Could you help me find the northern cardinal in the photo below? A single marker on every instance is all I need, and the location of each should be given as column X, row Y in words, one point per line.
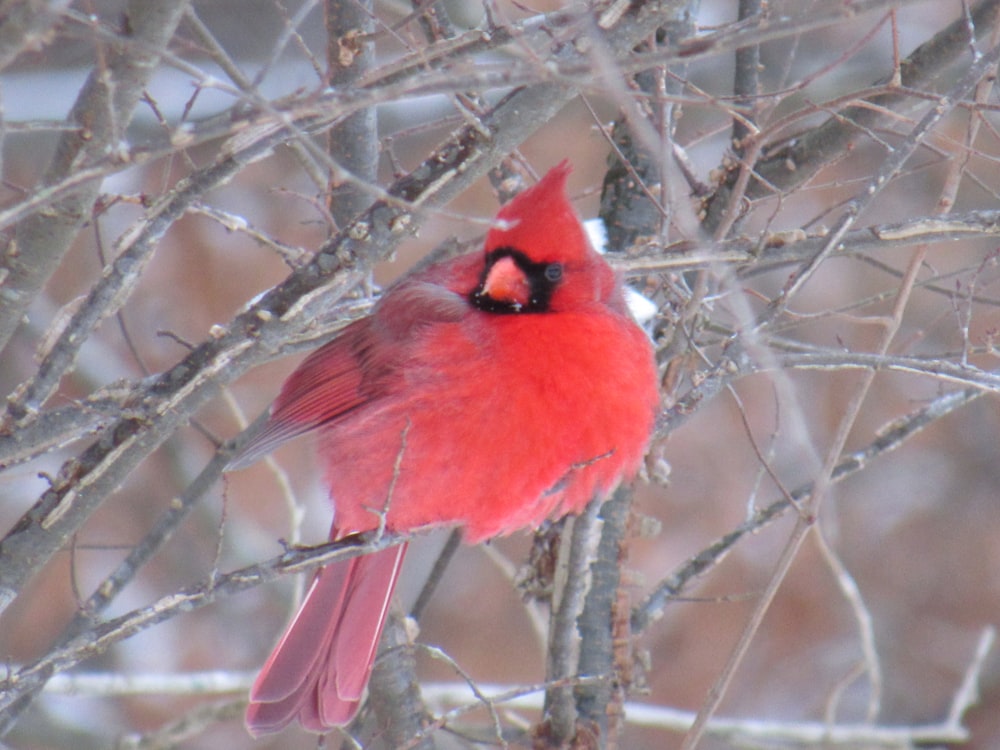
column 492, row 391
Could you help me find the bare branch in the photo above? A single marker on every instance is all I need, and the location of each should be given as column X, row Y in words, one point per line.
column 101, row 112
column 888, row 440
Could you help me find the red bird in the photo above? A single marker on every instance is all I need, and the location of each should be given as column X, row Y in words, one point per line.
column 492, row 391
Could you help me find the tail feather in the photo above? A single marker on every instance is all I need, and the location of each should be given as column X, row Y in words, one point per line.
column 318, row 671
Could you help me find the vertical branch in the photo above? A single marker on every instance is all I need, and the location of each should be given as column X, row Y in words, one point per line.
column 746, row 79
column 395, row 692
column 353, row 142
column 601, row 624
column 633, row 205
column 631, row 195
column 572, row 582
column 723, row 207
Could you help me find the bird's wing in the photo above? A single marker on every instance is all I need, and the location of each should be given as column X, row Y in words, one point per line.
column 361, row 365
column 327, row 385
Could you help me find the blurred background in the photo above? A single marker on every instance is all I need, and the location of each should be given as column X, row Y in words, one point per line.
column 879, row 618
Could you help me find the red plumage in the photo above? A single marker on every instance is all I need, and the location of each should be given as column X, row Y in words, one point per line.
column 492, row 391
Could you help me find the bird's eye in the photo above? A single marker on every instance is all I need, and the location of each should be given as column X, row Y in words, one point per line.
column 554, row 272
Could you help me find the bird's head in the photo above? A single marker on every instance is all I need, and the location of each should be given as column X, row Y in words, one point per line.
column 537, row 255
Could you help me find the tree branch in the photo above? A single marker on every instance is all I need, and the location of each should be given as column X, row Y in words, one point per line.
column 101, row 113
